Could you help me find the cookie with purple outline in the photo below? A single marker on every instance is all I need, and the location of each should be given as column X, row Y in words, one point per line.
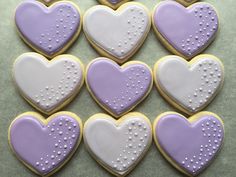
column 190, row 145
column 45, row 145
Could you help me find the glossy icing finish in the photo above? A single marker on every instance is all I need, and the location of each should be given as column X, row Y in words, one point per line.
column 118, row 145
column 120, row 32
column 118, row 89
column 195, row 27
column 190, row 85
column 49, row 30
column 193, row 145
column 48, row 85
column 44, row 148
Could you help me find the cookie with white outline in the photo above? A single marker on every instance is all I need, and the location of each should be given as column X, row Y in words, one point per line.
column 48, row 85
column 189, row 86
column 118, row 145
column 117, row 34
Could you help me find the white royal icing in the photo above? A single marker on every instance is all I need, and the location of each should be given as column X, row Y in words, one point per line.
column 118, row 33
column 47, row 84
column 191, row 87
column 118, row 147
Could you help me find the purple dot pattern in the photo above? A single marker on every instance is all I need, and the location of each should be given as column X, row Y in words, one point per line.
column 55, row 28
column 44, row 147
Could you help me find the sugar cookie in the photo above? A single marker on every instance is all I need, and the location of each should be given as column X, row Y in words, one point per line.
column 117, row 34
column 185, row 31
column 186, row 2
column 118, row 145
column 118, row 89
column 48, row 85
column 190, row 145
column 45, row 145
column 47, row 2
column 113, row 3
column 48, row 30
column 189, row 86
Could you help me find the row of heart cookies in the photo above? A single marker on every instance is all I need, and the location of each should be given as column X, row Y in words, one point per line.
column 45, row 145
column 51, row 84
column 117, row 34
column 117, row 3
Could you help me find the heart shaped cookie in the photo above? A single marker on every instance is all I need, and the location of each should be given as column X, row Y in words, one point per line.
column 113, row 3
column 121, row 33
column 48, row 30
column 194, row 27
column 45, row 145
column 118, row 145
column 48, row 85
column 191, row 144
column 186, row 2
column 118, row 89
column 190, row 86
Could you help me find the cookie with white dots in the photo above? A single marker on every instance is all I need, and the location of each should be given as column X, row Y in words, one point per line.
column 57, row 27
column 118, row 89
column 48, row 85
column 189, row 86
column 118, row 145
column 194, row 27
column 192, row 144
column 113, row 3
column 186, row 2
column 45, row 145
column 117, row 34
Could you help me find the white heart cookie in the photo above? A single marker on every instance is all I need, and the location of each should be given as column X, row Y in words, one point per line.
column 117, row 34
column 48, row 85
column 118, row 145
column 190, row 86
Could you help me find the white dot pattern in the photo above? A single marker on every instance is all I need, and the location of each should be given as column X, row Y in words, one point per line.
column 211, row 78
column 51, row 95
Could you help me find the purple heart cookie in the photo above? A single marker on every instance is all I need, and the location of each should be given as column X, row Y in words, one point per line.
column 185, row 31
column 189, row 145
column 48, row 30
column 42, row 145
column 118, row 89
